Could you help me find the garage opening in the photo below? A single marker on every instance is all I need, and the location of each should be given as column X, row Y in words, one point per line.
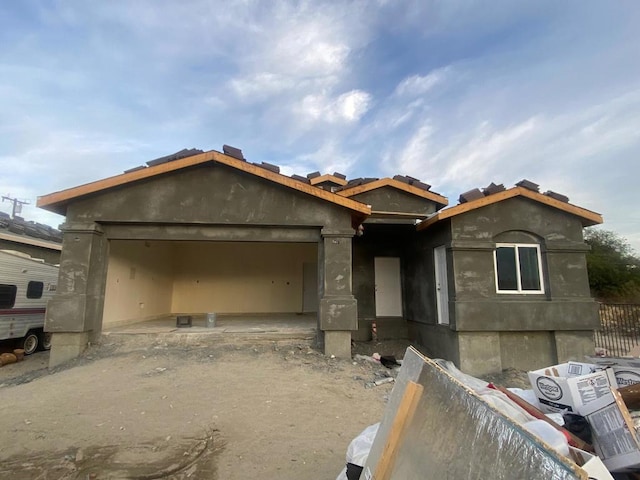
column 155, row 281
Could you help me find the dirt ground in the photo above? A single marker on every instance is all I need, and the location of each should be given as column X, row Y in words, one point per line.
column 230, row 412
column 135, row 411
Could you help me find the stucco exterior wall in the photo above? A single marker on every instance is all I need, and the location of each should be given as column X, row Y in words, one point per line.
column 439, row 341
column 389, row 199
column 208, row 194
column 489, row 331
column 208, row 202
column 565, row 304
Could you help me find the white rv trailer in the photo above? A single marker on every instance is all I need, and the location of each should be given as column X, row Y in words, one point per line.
column 26, row 284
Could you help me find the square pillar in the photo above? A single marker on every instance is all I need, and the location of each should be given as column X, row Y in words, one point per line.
column 338, row 313
column 79, row 301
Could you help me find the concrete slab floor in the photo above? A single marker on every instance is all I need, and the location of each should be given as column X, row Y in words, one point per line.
column 286, row 323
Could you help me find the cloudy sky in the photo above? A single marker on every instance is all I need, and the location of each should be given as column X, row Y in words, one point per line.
column 458, row 93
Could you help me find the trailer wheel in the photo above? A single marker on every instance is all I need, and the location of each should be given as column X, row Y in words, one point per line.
column 45, row 340
column 30, row 343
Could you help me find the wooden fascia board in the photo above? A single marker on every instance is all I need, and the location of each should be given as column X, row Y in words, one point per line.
column 328, row 178
column 390, row 182
column 56, row 202
column 290, row 182
column 383, row 213
column 589, row 218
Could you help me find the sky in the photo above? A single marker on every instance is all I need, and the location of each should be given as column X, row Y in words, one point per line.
column 457, row 93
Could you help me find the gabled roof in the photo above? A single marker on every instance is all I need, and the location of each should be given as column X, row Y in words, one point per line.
column 587, row 216
column 57, row 202
column 390, row 182
column 328, row 178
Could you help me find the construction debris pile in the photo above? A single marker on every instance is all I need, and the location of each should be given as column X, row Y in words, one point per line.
column 578, row 421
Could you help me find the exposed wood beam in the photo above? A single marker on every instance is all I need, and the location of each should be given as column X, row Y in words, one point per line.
column 57, row 201
column 382, row 213
column 328, row 178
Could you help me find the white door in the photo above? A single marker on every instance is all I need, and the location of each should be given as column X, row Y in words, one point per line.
column 442, row 289
column 388, row 288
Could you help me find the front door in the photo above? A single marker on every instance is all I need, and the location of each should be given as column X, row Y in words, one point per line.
column 442, row 290
column 388, row 288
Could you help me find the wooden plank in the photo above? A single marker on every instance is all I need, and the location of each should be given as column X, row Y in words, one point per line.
column 328, row 178
column 401, row 421
column 291, row 183
column 390, row 182
column 398, row 214
column 589, row 217
column 593, row 217
column 57, row 201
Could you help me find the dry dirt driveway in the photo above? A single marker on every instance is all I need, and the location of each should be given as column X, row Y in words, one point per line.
column 224, row 412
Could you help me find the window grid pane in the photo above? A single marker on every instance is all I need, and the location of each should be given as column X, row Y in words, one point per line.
column 529, row 270
column 507, row 272
column 518, row 268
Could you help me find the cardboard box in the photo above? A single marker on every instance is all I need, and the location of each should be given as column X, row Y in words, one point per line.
column 571, row 386
column 626, row 369
column 626, row 376
column 615, row 438
column 590, row 464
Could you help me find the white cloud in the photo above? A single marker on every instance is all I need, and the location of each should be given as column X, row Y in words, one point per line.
column 348, row 107
column 260, row 86
column 457, row 94
column 416, row 85
column 328, row 158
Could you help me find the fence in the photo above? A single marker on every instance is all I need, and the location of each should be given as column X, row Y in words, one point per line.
column 619, row 328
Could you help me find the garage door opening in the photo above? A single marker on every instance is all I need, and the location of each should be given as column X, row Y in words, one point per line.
column 152, row 282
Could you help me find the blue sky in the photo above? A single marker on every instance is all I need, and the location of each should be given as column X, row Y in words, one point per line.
column 457, row 93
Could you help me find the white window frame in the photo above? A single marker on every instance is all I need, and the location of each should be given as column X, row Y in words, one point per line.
column 519, row 291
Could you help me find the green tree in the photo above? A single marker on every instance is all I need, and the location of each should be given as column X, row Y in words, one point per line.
column 614, row 268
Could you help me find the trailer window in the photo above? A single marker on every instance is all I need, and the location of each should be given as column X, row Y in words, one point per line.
column 7, row 295
column 34, row 289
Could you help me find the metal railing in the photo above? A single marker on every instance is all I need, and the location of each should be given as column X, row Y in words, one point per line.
column 619, row 328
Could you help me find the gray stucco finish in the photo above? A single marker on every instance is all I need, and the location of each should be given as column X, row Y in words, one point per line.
column 212, row 195
column 566, row 303
column 565, row 310
column 207, row 203
column 78, row 304
column 389, row 199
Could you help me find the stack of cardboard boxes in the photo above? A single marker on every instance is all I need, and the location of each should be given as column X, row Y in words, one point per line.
column 591, row 390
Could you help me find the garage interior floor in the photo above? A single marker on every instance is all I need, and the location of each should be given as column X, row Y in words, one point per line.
column 273, row 326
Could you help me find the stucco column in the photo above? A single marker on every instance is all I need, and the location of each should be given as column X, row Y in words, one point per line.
column 338, row 314
column 74, row 315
